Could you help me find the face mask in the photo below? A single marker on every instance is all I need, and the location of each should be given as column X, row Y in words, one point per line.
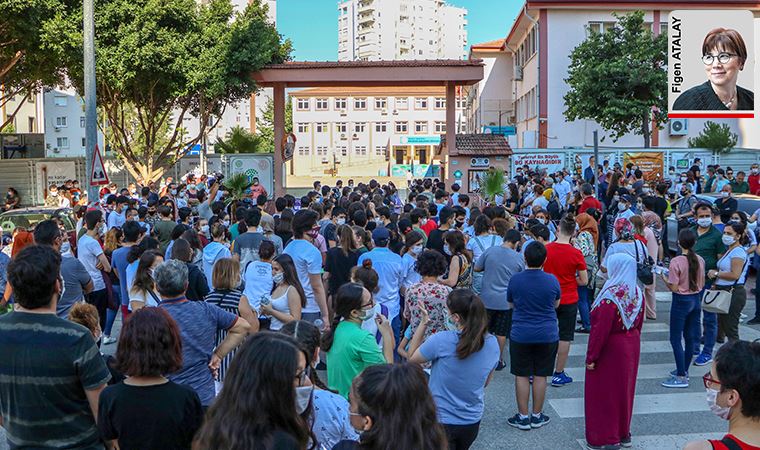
column 724, row 412
column 683, row 179
column 423, row 222
column 379, row 221
column 616, row 198
column 54, row 193
column 102, row 230
column 622, row 206
column 65, row 247
column 204, row 229
column 313, row 233
column 672, row 172
column 151, row 271
column 174, row 192
column 542, row 221
column 367, row 314
column 683, row 193
column 451, row 325
column 645, row 190
column 416, row 249
column 277, row 278
column 724, row 194
column 447, row 250
column 754, row 171
column 303, row 397
column 728, row 240
column 341, row 221
column 704, row 222
column 226, row 223
column 459, row 224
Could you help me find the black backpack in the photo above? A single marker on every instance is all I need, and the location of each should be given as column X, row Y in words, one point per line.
column 554, row 210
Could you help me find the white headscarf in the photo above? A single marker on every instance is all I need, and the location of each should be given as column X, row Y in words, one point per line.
column 621, row 288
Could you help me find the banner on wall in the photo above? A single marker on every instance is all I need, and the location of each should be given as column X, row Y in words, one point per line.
column 254, row 166
column 552, row 162
column 650, row 163
column 53, row 173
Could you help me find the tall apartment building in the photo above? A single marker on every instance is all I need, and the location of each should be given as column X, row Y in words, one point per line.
column 373, row 30
column 64, row 124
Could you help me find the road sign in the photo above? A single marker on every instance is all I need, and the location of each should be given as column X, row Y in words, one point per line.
column 504, row 131
column 98, row 175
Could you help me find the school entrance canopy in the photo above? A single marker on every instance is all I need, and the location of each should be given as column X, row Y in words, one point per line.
column 299, row 74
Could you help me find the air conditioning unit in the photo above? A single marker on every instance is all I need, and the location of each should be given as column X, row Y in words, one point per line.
column 518, row 73
column 343, row 137
column 57, row 129
column 512, row 119
column 679, row 127
column 56, row 150
column 384, row 112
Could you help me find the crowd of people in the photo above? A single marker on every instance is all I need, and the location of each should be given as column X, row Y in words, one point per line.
column 390, row 310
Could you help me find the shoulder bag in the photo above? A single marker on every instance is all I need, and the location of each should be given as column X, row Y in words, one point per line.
column 717, row 300
column 644, row 267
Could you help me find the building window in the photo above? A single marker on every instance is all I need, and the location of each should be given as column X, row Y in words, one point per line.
column 379, row 150
column 440, row 127
column 402, row 127
column 600, row 27
column 302, row 127
column 460, row 103
column 341, row 127
column 381, row 127
column 81, row 122
column 321, row 104
column 60, row 121
column 59, row 100
column 62, row 142
column 321, row 127
column 31, row 122
column 360, row 103
column 340, row 103
column 402, row 102
column 361, row 150
column 420, row 103
column 420, row 127
column 322, row 150
column 304, row 150
column 440, row 103
column 343, row 150
column 359, row 127
column 84, row 143
column 381, row 103
column 302, row 104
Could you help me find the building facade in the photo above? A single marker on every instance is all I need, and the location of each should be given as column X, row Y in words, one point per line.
column 372, row 30
column 28, row 118
column 64, row 124
column 368, row 131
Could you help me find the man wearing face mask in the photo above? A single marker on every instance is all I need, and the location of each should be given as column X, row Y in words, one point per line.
column 446, row 218
column 53, row 200
column 726, row 205
column 91, row 255
column 754, row 179
column 732, row 386
column 685, row 209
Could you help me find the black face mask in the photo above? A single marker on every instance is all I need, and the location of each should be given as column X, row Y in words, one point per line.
column 459, row 224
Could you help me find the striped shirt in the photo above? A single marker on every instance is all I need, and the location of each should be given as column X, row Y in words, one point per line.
column 227, row 300
column 46, row 364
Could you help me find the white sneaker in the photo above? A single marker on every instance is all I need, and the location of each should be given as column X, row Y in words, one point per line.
column 108, row 340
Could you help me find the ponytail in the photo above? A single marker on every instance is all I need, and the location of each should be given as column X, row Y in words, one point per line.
column 347, row 299
column 242, row 226
column 474, row 321
column 686, row 239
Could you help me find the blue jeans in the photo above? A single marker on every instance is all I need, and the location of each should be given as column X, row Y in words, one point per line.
column 396, row 327
column 709, row 328
column 583, row 306
column 111, row 313
column 684, row 322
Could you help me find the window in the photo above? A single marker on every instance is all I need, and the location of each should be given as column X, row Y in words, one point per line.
column 420, row 103
column 379, row 150
column 340, row 103
column 361, row 150
column 60, row 121
column 321, row 104
column 440, row 127
column 360, row 103
column 381, row 127
column 62, row 142
column 600, row 27
column 320, row 127
column 302, row 104
column 402, row 103
column 302, row 127
column 381, row 103
column 359, row 127
column 84, row 143
column 81, row 122
column 343, row 150
column 322, row 150
column 440, row 103
column 402, row 127
column 59, row 100
column 31, row 121
column 304, row 150
column 420, row 127
column 341, row 127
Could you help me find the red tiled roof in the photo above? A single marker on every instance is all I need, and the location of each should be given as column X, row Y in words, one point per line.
column 479, row 145
column 497, row 44
column 393, row 63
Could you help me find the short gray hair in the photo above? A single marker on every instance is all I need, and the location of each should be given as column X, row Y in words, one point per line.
column 171, row 278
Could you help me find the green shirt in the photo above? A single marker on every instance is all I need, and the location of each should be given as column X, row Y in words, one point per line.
column 709, row 245
column 234, row 231
column 353, row 350
column 162, row 230
column 739, row 188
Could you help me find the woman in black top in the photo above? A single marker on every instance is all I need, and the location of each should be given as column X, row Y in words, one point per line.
column 147, row 410
column 512, row 201
column 197, row 288
column 284, row 227
column 341, row 258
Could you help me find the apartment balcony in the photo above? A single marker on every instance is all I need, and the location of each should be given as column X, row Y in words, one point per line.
column 366, row 18
column 368, row 49
column 366, row 6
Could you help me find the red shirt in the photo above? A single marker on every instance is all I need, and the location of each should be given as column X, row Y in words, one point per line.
column 590, row 202
column 564, row 261
column 754, row 184
column 429, row 226
column 719, row 445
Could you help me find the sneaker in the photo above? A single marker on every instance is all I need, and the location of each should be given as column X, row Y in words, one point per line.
column 560, row 379
column 754, row 321
column 538, row 422
column 583, row 330
column 602, row 447
column 626, row 442
column 501, row 365
column 674, row 373
column 676, row 382
column 703, row 359
column 108, row 340
column 518, row 422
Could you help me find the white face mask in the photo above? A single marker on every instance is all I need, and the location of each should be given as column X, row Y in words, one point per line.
column 65, row 246
column 303, row 398
column 54, row 193
column 622, row 206
column 341, row 221
column 541, row 220
column 724, row 194
column 174, row 192
column 754, row 171
column 416, row 249
column 423, row 222
column 704, row 222
column 278, row 278
column 724, row 412
column 728, row 240
column 672, row 172
column 367, row 314
column 446, row 249
column 226, row 223
column 102, row 230
column 204, row 229
column 683, row 179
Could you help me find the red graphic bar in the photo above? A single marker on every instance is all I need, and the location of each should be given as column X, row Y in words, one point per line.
column 711, row 116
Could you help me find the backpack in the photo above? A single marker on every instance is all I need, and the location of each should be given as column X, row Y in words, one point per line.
column 554, row 210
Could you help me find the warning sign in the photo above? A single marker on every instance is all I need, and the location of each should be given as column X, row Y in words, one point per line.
column 98, row 175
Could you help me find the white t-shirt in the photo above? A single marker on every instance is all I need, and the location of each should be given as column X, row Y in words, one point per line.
column 88, row 250
column 258, row 282
column 116, row 219
column 144, row 297
column 724, row 265
column 479, row 244
column 308, row 261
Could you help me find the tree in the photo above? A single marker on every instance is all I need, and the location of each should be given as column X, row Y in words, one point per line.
column 492, row 183
column 28, row 62
column 240, row 140
column 618, row 79
column 717, row 138
column 168, row 60
column 265, row 125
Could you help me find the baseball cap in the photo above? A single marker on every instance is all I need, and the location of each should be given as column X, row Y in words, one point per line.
column 380, row 234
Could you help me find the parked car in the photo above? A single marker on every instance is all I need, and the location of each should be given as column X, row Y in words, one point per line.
column 27, row 218
column 745, row 202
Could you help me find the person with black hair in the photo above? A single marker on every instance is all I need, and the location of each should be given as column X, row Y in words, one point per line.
column 132, row 234
column 730, row 275
column 245, row 247
column 116, row 218
column 350, row 348
column 341, row 258
column 287, row 294
column 535, row 296
column 435, row 242
column 428, row 297
column 198, row 287
column 419, row 218
column 92, row 257
column 463, row 360
column 162, row 230
column 214, row 251
column 143, row 290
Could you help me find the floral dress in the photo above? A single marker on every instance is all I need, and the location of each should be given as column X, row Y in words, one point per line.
column 433, row 296
column 585, row 243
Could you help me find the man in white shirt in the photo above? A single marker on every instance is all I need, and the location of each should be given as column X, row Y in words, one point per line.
column 117, row 216
column 90, row 254
column 562, row 188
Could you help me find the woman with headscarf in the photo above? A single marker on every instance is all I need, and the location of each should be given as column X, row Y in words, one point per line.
column 612, row 359
column 652, row 233
column 267, row 226
column 586, row 240
column 625, row 244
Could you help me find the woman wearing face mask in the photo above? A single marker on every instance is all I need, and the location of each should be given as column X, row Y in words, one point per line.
column 375, row 396
column 143, row 290
column 267, row 226
column 341, row 258
column 586, row 241
column 412, row 249
column 730, row 276
column 460, row 267
column 331, row 422
column 217, row 249
column 349, row 348
column 288, row 297
column 463, row 359
column 482, row 241
column 429, row 293
column 266, row 399
column 732, row 386
column 751, row 245
column 626, row 244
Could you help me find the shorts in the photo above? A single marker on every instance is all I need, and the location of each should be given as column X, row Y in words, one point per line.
column 566, row 316
column 532, row 359
column 499, row 321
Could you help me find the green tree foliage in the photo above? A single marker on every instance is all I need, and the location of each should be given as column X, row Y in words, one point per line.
column 265, row 125
column 717, row 138
column 28, row 61
column 169, row 60
column 492, row 183
column 618, row 79
column 239, row 140
column 236, row 185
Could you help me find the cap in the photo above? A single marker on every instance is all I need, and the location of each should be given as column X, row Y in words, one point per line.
column 380, row 234
column 628, row 198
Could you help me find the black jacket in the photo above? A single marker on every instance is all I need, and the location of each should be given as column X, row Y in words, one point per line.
column 197, row 286
column 703, row 98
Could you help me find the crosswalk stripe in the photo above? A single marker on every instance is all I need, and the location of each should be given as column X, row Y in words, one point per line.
column 665, row 441
column 646, row 372
column 642, row 404
column 579, row 348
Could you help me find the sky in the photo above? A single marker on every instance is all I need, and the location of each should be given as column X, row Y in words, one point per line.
column 312, row 25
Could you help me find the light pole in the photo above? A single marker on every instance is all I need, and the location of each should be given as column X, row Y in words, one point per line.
column 90, row 100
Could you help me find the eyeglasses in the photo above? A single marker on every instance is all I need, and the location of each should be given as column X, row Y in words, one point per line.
column 723, row 58
column 301, row 377
column 708, row 381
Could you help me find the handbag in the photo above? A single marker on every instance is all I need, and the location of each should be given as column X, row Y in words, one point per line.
column 717, row 300
column 644, row 268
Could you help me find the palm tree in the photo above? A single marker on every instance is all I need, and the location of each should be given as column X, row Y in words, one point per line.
column 492, row 184
column 236, row 185
column 240, row 140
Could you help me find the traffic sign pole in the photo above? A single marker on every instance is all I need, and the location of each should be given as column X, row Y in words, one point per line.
column 90, row 101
